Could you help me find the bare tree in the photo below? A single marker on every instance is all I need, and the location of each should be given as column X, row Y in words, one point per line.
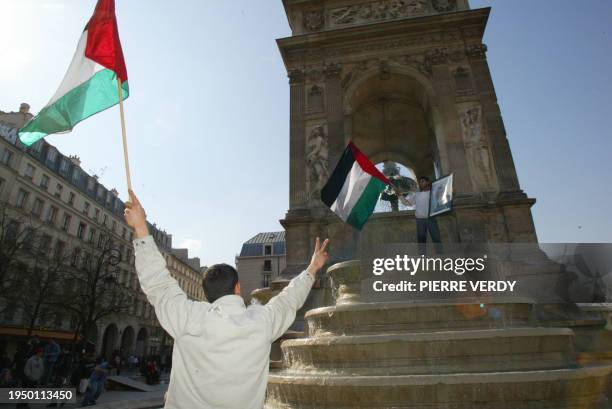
column 41, row 282
column 17, row 232
column 91, row 289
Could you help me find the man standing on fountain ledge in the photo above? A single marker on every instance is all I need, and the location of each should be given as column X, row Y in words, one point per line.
column 221, row 351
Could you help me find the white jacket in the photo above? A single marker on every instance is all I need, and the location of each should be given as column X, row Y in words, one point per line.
column 221, row 350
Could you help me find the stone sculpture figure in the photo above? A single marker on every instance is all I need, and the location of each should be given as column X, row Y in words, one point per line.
column 477, row 148
column 316, row 158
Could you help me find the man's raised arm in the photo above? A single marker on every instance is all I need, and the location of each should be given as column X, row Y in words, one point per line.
column 172, row 307
column 280, row 311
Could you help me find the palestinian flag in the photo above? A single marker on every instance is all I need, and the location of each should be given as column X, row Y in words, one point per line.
column 90, row 85
column 354, row 187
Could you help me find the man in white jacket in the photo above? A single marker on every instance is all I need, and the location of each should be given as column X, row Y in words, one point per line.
column 222, row 348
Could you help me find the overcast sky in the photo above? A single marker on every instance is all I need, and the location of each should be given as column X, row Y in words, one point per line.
column 208, row 121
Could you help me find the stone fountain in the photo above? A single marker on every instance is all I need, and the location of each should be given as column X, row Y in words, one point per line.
column 460, row 354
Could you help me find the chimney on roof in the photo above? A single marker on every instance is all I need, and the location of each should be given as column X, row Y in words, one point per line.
column 114, row 192
column 75, row 160
column 24, row 108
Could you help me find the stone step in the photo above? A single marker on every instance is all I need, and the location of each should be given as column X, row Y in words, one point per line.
column 488, row 350
column 376, row 318
column 582, row 388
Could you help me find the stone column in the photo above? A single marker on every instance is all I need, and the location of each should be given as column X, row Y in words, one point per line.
column 492, row 120
column 297, row 143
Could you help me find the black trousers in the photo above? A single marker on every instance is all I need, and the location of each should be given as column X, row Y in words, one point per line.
column 427, row 225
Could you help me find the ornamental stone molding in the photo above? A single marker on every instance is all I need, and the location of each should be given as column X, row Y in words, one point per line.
column 296, row 76
column 476, row 50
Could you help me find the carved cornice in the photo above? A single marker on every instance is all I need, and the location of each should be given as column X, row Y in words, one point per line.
column 296, row 76
column 476, row 50
column 332, row 70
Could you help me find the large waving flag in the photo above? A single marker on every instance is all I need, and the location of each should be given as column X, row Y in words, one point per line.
column 354, row 187
column 90, row 85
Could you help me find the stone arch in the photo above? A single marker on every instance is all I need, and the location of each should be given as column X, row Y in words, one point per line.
column 394, row 117
column 127, row 340
column 142, row 342
column 374, row 71
column 109, row 340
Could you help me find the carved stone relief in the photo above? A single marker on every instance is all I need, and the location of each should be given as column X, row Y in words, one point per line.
column 477, row 149
column 377, row 11
column 315, row 99
column 313, row 20
column 463, row 82
column 317, row 154
column 444, row 5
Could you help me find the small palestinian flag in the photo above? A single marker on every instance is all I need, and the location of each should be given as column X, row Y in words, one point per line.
column 354, row 187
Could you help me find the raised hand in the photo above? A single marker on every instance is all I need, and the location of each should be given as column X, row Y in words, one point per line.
column 319, row 257
column 135, row 216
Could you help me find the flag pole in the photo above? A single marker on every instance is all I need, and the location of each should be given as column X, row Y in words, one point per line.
column 125, row 148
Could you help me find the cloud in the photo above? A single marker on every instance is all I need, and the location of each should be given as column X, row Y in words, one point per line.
column 193, row 245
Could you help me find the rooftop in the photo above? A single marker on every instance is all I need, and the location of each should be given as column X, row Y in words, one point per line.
column 255, row 245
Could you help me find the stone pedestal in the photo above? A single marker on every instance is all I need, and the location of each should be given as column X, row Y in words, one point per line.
column 447, row 355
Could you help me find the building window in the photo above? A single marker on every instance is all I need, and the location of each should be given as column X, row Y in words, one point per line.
column 96, row 214
column 92, row 235
column 37, row 207
column 101, row 240
column 81, row 230
column 27, row 238
column 266, row 280
column 36, row 148
column 44, row 182
column 267, row 265
column 51, row 214
column 51, row 155
column 60, row 246
column 64, row 166
column 45, row 243
column 58, row 190
column 268, row 249
column 6, row 157
column 105, row 219
column 66, row 222
column 86, row 261
column 71, row 197
column 86, row 208
column 76, row 255
column 29, row 173
column 1, row 184
column 100, row 195
column 22, row 198
column 76, row 176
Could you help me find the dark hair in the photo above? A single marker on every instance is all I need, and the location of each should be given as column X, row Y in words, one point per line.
column 219, row 280
column 425, row 178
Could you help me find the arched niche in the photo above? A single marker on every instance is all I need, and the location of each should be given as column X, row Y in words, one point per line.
column 393, row 117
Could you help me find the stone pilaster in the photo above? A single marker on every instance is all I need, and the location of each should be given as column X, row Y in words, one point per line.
column 500, row 148
column 298, row 195
column 451, row 130
column 335, row 118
